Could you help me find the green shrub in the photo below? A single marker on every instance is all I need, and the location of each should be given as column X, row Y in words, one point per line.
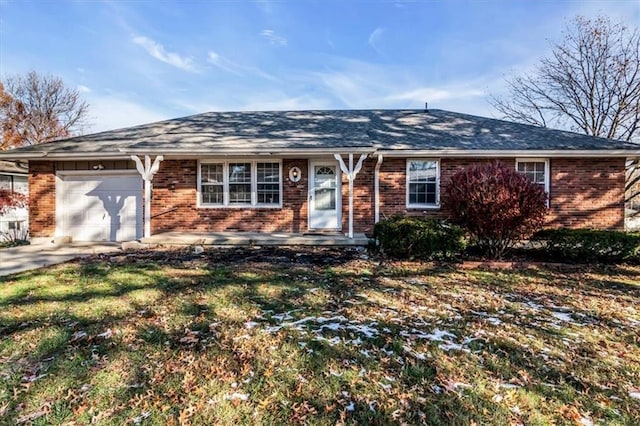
column 589, row 245
column 407, row 237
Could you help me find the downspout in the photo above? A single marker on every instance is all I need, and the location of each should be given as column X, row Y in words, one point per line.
column 376, row 189
column 147, row 171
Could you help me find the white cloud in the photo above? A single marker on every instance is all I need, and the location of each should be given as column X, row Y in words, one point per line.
column 158, row 51
column 358, row 84
column 375, row 37
column 236, row 68
column 274, row 38
column 110, row 112
column 83, row 89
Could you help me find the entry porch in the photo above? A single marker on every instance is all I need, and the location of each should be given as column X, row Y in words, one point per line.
column 255, row 239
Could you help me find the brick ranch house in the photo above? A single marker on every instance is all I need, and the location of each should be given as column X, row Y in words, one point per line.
column 301, row 171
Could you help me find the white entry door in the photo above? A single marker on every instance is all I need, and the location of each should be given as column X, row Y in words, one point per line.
column 325, row 204
column 99, row 207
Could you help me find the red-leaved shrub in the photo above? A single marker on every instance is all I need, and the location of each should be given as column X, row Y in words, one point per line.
column 497, row 205
column 10, row 200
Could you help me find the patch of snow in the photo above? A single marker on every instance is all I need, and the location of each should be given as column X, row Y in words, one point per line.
column 107, row 334
column 452, row 346
column 237, row 396
column 586, row 421
column 78, row 335
column 508, row 386
column 250, row 324
column 635, row 395
column 350, row 407
column 137, row 420
column 562, row 316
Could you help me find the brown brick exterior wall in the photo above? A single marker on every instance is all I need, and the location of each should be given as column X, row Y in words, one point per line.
column 42, row 199
column 584, row 193
column 587, row 193
column 175, row 209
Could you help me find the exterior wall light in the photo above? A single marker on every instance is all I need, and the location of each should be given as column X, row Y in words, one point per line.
column 295, row 174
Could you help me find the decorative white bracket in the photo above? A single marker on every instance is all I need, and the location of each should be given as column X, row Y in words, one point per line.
column 147, row 171
column 351, row 174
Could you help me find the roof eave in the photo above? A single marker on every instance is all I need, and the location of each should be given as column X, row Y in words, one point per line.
column 125, row 154
column 510, row 153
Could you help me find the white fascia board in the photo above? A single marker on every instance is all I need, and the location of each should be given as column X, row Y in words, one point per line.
column 254, row 152
column 510, row 153
column 20, row 156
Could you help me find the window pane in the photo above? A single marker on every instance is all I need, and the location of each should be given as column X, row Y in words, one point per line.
column 20, row 184
column 268, row 172
column 212, row 194
column 5, row 182
column 325, row 199
column 268, row 193
column 422, row 171
column 240, row 173
column 422, row 193
column 211, row 173
column 534, row 170
column 240, row 193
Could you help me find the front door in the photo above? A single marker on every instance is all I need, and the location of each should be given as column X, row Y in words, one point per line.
column 324, row 195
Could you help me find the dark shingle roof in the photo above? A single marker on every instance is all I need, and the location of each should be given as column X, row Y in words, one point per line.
column 278, row 131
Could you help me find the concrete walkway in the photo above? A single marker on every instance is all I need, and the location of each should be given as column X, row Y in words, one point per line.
column 40, row 254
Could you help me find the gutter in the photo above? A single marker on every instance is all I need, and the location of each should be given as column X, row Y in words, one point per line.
column 458, row 153
column 125, row 154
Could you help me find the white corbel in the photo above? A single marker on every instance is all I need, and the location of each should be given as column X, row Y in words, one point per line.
column 147, row 171
column 351, row 174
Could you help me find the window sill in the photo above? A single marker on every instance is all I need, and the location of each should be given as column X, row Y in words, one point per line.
column 423, row 207
column 241, row 206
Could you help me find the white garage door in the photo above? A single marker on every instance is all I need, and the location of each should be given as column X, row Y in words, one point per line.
column 99, row 207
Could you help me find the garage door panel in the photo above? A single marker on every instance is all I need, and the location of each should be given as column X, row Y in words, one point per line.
column 101, row 208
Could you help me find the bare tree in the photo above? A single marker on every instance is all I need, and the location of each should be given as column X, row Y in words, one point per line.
column 589, row 84
column 38, row 108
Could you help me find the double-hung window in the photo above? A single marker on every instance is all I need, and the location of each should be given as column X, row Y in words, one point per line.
column 536, row 169
column 212, row 184
column 240, row 183
column 14, row 183
column 423, row 183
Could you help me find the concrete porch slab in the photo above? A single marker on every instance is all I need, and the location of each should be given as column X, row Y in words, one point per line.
column 254, row 238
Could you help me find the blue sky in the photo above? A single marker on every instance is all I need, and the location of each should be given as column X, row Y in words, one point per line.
column 145, row 60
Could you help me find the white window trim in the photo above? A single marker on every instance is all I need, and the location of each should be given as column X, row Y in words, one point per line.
column 407, row 182
column 547, row 172
column 225, row 186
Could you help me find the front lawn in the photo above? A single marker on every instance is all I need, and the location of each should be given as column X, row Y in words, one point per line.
column 277, row 336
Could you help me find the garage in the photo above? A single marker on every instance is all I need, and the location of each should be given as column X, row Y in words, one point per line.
column 99, row 206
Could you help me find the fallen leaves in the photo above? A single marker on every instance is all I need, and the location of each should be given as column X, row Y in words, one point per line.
column 275, row 336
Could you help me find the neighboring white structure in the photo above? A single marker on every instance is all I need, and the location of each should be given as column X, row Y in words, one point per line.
column 14, row 177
